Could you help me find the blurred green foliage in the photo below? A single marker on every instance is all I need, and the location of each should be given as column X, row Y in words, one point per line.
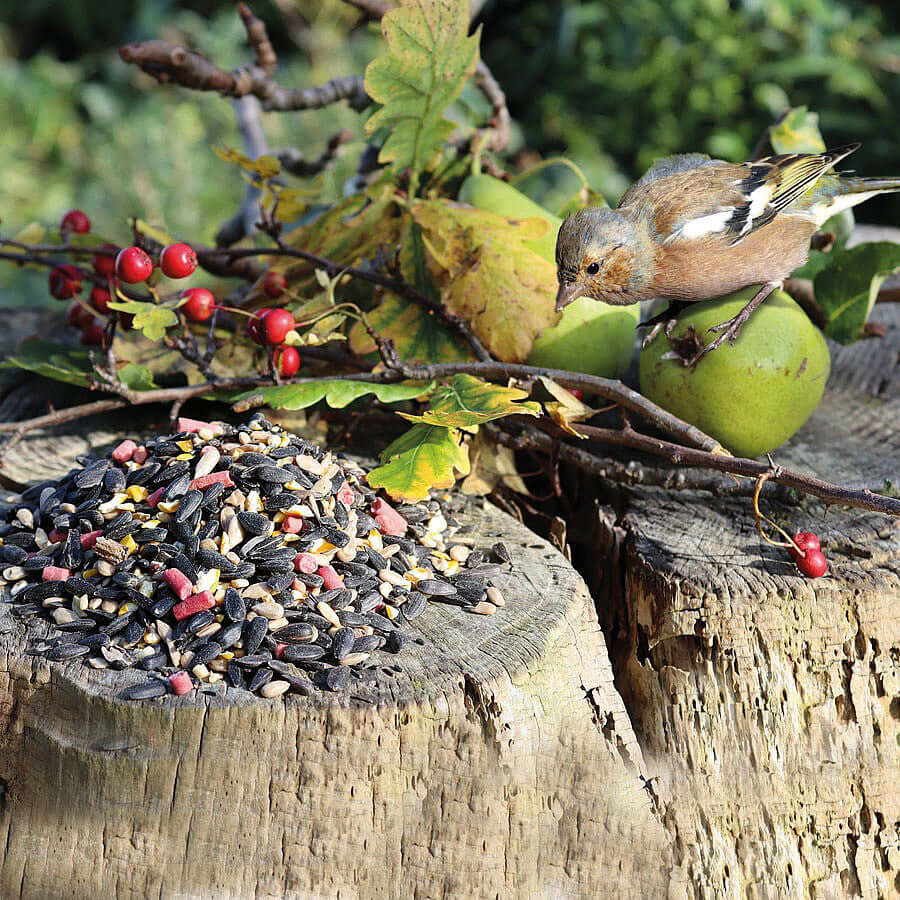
column 617, row 84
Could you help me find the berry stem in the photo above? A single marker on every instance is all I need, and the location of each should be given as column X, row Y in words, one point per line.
column 762, row 517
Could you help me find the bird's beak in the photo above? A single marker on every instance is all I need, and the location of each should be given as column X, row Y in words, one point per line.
column 566, row 294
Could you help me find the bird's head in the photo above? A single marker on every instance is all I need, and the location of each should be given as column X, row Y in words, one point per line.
column 598, row 256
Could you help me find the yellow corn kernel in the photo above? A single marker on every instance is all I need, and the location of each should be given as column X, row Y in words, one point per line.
column 151, row 523
column 137, row 492
column 278, row 517
column 90, row 573
column 184, row 456
column 391, row 611
column 185, row 445
column 129, row 543
column 168, row 506
column 127, row 607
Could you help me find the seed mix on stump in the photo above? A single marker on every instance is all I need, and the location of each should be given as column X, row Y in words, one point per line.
column 242, row 555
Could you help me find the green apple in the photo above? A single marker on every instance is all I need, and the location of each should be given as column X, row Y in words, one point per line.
column 751, row 396
column 591, row 337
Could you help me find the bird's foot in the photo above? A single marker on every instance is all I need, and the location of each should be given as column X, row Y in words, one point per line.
column 665, row 320
column 731, row 329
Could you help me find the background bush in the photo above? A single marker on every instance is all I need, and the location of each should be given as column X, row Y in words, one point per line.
column 613, row 85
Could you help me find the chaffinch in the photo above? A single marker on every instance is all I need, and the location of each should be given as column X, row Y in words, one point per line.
column 694, row 228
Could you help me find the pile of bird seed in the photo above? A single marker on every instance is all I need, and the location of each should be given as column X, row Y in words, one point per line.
column 231, row 558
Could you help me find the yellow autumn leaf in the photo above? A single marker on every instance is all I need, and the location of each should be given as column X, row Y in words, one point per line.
column 265, row 166
column 425, row 457
column 487, row 276
column 566, row 408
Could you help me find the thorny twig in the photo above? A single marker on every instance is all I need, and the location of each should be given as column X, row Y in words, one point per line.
column 295, row 163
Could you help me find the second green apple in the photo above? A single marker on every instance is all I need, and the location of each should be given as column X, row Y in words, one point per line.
column 591, row 337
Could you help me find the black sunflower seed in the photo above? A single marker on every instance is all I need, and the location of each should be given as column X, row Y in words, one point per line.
column 114, row 480
column 184, row 565
column 272, row 475
column 213, row 560
column 208, row 652
column 275, row 502
column 263, row 675
column 342, row 643
column 436, row 588
column 235, row 674
column 177, row 488
column 303, row 652
column 367, row 643
column 67, row 651
column 144, row 474
column 172, row 472
column 229, row 635
column 254, row 523
column 296, row 633
column 10, row 553
column 200, row 620
column 254, row 632
column 91, row 476
column 190, row 503
column 253, row 660
column 414, row 606
column 235, row 607
column 148, row 535
column 145, row 690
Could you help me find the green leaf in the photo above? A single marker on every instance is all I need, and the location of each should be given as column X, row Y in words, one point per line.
column 264, row 166
column 336, row 393
column 150, row 318
column 425, row 457
column 467, row 401
column 55, row 361
column 137, row 377
column 846, row 290
column 429, row 57
column 488, row 275
column 416, row 334
column 797, row 132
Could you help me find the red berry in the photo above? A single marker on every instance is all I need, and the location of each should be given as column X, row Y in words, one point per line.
column 100, row 299
column 65, row 281
column 200, row 304
column 126, row 320
column 133, row 265
column 274, row 284
column 105, row 263
column 813, row 564
column 178, row 261
column 275, row 325
column 577, row 393
column 92, row 334
column 288, row 361
column 253, row 324
column 806, row 540
column 75, row 220
column 78, row 315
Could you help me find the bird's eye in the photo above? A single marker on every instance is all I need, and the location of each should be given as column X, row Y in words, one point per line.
column 593, row 268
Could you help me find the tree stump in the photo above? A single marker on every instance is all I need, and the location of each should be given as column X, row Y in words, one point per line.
column 496, row 761
column 767, row 705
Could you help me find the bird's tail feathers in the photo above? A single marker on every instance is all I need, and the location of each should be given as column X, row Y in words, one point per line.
column 870, row 185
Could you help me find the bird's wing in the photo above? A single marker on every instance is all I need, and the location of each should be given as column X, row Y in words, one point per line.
column 772, row 184
column 692, row 196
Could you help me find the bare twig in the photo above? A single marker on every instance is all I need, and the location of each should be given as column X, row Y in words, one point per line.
column 498, row 136
column 295, row 163
column 170, row 63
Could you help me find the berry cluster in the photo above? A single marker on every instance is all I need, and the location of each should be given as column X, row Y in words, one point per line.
column 269, row 327
column 133, row 265
column 810, row 560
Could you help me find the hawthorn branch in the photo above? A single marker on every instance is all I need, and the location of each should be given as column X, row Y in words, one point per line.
column 497, row 137
column 226, row 257
column 169, row 63
column 295, row 163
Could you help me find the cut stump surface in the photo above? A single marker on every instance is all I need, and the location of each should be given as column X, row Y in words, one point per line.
column 498, row 761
